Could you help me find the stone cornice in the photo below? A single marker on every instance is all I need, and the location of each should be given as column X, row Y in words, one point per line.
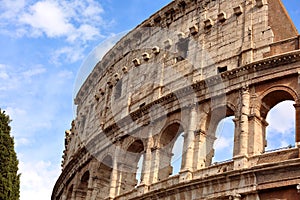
column 265, row 64
column 219, row 179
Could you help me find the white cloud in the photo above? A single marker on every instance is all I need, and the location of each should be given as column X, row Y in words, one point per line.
column 222, row 143
column 75, row 21
column 33, row 72
column 36, row 177
column 22, row 142
column 11, row 8
column 69, row 54
column 281, row 118
column 14, row 78
column 48, row 18
column 3, row 73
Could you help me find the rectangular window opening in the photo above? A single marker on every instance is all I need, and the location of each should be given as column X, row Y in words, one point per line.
column 222, row 69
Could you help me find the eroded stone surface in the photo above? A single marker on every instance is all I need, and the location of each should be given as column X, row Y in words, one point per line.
column 183, row 70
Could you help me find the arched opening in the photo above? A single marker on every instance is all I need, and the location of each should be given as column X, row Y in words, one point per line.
column 277, row 110
column 170, row 155
column 130, row 166
column 220, row 135
column 81, row 193
column 177, row 150
column 280, row 133
column 223, row 145
column 104, row 177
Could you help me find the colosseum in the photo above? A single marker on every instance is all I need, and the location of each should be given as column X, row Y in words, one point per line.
column 175, row 77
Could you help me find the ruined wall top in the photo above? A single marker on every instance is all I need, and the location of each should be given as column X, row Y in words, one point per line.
column 183, row 43
column 223, row 29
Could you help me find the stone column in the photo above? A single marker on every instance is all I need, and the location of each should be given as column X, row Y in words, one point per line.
column 154, row 164
column 114, row 183
column 147, row 160
column 240, row 159
column 160, row 164
column 200, row 150
column 244, row 124
column 257, row 128
column 188, row 147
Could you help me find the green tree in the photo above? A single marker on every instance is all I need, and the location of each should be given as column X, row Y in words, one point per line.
column 9, row 177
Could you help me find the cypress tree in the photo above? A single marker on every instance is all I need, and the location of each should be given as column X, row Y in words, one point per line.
column 9, row 177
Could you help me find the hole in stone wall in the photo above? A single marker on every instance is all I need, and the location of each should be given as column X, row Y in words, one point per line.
column 280, row 133
column 223, row 145
column 222, row 69
column 177, row 154
column 142, row 105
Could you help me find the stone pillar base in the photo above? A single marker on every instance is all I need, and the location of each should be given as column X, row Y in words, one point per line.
column 240, row 162
column 185, row 175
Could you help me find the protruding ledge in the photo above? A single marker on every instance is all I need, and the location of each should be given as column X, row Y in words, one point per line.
column 260, row 3
column 194, row 30
column 136, row 62
column 238, row 10
column 208, row 23
column 222, row 17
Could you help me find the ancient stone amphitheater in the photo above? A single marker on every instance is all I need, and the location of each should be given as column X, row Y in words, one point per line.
column 179, row 73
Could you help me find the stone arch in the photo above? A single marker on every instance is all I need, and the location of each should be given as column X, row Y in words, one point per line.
column 103, row 176
column 274, row 95
column 130, row 140
column 166, row 141
column 82, row 189
column 165, row 129
column 216, row 115
column 270, row 98
column 209, row 127
column 129, row 165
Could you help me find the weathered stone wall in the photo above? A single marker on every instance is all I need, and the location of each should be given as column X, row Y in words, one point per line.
column 183, row 70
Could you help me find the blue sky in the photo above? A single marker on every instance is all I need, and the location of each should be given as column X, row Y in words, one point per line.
column 43, row 44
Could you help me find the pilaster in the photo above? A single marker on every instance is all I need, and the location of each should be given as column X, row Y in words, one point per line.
column 114, row 184
column 188, row 147
column 200, row 150
column 147, row 170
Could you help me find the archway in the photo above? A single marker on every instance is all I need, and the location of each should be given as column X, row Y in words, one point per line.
column 81, row 193
column 177, row 151
column 130, row 168
column 224, row 143
column 169, row 153
column 220, row 134
column 278, row 111
column 103, row 176
column 280, row 133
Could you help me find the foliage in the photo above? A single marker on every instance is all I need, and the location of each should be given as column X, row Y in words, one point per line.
column 9, row 177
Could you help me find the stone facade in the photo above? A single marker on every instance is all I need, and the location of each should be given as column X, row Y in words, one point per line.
column 180, row 72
